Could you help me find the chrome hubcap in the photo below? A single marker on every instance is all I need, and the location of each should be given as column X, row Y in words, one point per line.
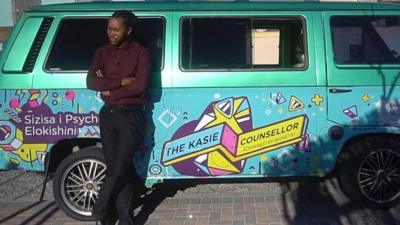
column 81, row 185
column 379, row 176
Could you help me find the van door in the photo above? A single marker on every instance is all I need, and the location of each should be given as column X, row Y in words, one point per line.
column 363, row 61
column 243, row 89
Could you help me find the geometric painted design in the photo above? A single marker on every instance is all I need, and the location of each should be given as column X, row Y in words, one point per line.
column 305, row 144
column 295, row 104
column 223, row 138
column 167, row 118
column 277, row 98
column 351, row 111
column 317, row 99
column 220, row 164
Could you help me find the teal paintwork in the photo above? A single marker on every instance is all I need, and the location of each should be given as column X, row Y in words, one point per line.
column 216, row 6
column 13, row 80
column 198, row 121
column 20, row 49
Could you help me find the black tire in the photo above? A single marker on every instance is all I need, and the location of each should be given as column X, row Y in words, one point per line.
column 369, row 171
column 77, row 182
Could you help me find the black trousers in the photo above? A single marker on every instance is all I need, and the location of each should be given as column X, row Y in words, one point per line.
column 122, row 130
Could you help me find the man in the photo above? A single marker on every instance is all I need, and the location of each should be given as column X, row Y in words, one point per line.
column 120, row 70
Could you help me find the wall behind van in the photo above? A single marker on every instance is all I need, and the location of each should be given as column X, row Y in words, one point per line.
column 6, row 13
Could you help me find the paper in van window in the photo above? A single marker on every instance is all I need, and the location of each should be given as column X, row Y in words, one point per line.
column 390, row 36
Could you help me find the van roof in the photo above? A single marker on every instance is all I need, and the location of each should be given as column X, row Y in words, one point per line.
column 214, row 6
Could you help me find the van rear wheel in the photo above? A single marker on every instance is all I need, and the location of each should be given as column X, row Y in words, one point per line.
column 369, row 172
column 77, row 182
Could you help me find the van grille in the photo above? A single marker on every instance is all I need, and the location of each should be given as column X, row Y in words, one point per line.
column 37, row 44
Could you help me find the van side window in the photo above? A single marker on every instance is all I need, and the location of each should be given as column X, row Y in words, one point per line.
column 78, row 38
column 246, row 43
column 25, row 50
column 366, row 39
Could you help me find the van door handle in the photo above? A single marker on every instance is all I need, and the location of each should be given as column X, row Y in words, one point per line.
column 337, row 90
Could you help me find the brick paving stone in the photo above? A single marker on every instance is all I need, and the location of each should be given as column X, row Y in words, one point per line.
column 238, row 222
column 215, row 216
column 205, row 201
column 226, row 213
column 238, row 199
column 190, row 222
column 168, row 216
column 195, row 201
column 203, row 220
column 174, row 223
column 216, row 204
column 250, row 217
column 227, row 200
column 239, row 216
column 153, row 221
column 262, row 220
column 193, row 208
column 249, row 199
column 173, row 202
column 59, row 222
column 238, row 206
column 205, row 208
column 216, row 200
column 269, row 198
column 259, row 201
column 181, row 211
column 201, row 213
column 262, row 213
column 272, row 208
column 273, row 220
column 180, row 218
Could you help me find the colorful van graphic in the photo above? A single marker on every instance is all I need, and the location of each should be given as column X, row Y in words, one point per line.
column 238, row 90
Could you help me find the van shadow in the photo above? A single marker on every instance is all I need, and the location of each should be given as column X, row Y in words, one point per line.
column 306, row 202
column 147, row 200
column 314, row 201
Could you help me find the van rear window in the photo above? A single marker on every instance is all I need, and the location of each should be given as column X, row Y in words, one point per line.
column 366, row 39
column 242, row 43
column 78, row 38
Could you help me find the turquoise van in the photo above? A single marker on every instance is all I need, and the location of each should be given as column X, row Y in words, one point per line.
column 239, row 90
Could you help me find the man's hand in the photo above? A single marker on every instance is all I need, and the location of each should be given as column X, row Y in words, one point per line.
column 106, row 93
column 99, row 73
column 127, row 80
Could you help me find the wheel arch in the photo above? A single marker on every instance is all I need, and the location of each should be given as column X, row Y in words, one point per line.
column 357, row 138
column 64, row 148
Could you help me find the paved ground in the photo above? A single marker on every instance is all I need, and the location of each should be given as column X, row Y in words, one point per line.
column 294, row 203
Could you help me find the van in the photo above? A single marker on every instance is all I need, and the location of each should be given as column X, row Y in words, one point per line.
column 239, row 90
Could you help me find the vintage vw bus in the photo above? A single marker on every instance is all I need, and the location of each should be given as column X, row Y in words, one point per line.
column 239, row 90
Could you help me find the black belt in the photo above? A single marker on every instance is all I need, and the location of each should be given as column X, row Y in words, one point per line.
column 125, row 108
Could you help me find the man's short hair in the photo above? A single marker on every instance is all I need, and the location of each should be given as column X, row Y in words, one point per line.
column 129, row 19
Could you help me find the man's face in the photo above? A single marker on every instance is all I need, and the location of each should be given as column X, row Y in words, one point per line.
column 117, row 32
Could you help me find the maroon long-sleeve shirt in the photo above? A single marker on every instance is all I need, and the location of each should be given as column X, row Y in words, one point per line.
column 129, row 60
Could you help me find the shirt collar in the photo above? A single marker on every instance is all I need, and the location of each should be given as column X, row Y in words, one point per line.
column 124, row 46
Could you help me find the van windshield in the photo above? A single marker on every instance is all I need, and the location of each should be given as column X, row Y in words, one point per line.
column 366, row 39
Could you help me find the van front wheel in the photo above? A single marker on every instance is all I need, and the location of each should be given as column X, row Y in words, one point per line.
column 370, row 172
column 77, row 182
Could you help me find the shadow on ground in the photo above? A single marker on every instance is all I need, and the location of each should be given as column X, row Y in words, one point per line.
column 309, row 201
